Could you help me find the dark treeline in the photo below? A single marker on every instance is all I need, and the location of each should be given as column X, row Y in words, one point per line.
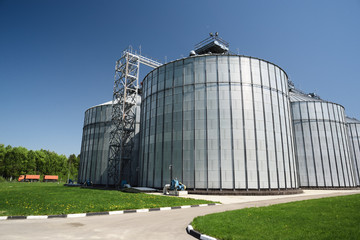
column 16, row 161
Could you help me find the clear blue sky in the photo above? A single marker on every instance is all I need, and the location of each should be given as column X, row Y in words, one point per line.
column 57, row 57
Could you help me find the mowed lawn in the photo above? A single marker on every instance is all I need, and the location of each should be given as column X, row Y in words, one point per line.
column 52, row 198
column 327, row 218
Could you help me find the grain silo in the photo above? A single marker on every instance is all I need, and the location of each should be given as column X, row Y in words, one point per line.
column 217, row 121
column 322, row 147
column 353, row 126
column 95, row 146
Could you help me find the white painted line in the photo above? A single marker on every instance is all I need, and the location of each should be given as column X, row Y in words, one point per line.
column 217, row 204
column 189, row 227
column 3, row 218
column 186, row 206
column 203, row 205
column 206, row 237
column 165, row 208
column 142, row 210
column 116, row 212
column 36, row 217
column 76, row 215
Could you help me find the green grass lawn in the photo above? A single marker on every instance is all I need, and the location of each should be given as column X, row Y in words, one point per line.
column 327, row 218
column 52, row 198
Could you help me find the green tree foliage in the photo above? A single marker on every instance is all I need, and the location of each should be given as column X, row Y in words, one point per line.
column 16, row 161
column 2, row 157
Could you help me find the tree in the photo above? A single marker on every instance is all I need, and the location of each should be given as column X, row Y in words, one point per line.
column 20, row 161
column 15, row 162
column 2, row 157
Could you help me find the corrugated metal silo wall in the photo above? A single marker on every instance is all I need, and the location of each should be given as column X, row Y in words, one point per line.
column 217, row 122
column 322, row 144
column 95, row 147
column 354, row 142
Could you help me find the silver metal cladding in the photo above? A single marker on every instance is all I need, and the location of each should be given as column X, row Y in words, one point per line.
column 321, row 143
column 217, row 122
column 353, row 128
column 95, row 145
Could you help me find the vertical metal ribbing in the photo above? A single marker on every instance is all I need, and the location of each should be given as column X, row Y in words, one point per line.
column 98, row 140
column 353, row 144
column 244, row 127
column 86, row 173
column 81, row 159
column 318, row 132
column 92, row 146
column 163, row 132
column 143, row 126
column 83, row 152
column 345, row 146
column 351, row 171
column 312, row 144
column 172, row 124
column 347, row 142
column 142, row 136
column 182, row 122
column 100, row 151
column 338, row 141
column 355, row 158
column 286, row 128
column 156, row 117
column 87, row 147
column 218, row 110
column 193, row 117
column 83, row 144
column 327, row 144
column 149, row 132
column 206, row 130
column 281, row 129
column 231, row 126
column 265, row 129
column 194, row 84
column 332, row 138
column 255, row 133
column 295, row 143
column 294, row 149
column 303, row 137
column 273, row 121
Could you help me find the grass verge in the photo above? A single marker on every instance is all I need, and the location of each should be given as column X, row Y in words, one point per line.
column 327, row 218
column 52, row 198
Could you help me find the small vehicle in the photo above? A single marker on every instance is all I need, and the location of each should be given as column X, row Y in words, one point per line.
column 50, row 178
column 29, row 178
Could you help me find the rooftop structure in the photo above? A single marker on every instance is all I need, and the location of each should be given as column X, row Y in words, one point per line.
column 212, row 44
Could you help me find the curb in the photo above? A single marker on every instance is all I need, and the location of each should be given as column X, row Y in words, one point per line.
column 190, row 230
column 80, row 215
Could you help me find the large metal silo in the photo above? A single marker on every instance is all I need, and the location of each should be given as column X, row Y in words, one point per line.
column 353, row 126
column 95, row 146
column 321, row 142
column 217, row 122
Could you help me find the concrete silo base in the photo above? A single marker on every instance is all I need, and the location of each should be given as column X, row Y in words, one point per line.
column 249, row 192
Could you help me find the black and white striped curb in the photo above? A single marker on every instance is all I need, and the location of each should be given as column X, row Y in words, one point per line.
column 190, row 230
column 79, row 215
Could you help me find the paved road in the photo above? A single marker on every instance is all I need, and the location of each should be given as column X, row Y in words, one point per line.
column 150, row 225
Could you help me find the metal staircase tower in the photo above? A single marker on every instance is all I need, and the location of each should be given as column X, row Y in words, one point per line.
column 126, row 87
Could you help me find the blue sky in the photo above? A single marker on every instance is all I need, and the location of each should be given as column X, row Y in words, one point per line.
column 57, row 57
